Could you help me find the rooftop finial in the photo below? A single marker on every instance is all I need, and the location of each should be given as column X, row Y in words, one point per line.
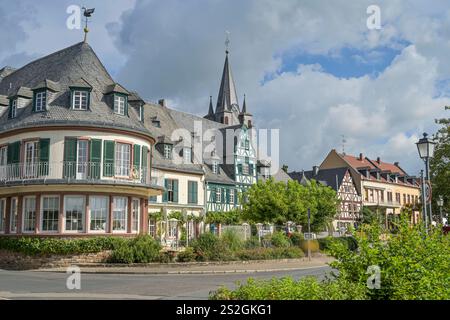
column 87, row 14
column 227, row 41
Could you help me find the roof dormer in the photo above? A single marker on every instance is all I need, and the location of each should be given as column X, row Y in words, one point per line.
column 80, row 95
column 19, row 100
column 118, row 99
column 43, row 93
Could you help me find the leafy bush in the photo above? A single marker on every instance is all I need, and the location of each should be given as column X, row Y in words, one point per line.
column 413, row 265
column 269, row 253
column 252, row 243
column 142, row 249
column 279, row 240
column 188, row 255
column 45, row 246
column 349, row 242
column 295, row 238
column 166, row 257
column 308, row 288
column 208, row 247
column 231, row 240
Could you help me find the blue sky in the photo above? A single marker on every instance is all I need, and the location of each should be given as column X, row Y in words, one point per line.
column 309, row 68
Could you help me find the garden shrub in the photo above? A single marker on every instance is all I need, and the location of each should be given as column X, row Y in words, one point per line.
column 145, row 249
column 231, row 240
column 209, row 247
column 252, row 243
column 188, row 255
column 295, row 238
column 45, row 246
column 279, row 240
column 269, row 253
column 122, row 254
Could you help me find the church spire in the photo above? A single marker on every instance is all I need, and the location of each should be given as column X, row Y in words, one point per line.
column 210, row 114
column 244, row 106
column 227, row 97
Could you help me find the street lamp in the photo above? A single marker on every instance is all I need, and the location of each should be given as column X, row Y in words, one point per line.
column 425, row 147
column 440, row 204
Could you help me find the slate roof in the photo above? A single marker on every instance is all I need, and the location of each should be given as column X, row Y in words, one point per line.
column 326, row 177
column 279, row 176
column 77, row 65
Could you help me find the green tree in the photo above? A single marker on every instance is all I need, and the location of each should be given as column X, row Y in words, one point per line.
column 440, row 164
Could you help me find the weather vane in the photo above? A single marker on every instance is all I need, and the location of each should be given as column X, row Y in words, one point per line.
column 344, row 141
column 87, row 14
column 227, row 41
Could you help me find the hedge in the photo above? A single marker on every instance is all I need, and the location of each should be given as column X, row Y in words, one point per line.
column 349, row 242
column 46, row 246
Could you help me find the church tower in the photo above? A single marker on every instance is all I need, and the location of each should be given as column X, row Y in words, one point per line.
column 227, row 107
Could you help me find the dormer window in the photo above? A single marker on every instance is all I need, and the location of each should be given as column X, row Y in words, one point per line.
column 120, row 104
column 215, row 167
column 13, row 108
column 187, row 155
column 40, row 101
column 167, row 151
column 80, row 99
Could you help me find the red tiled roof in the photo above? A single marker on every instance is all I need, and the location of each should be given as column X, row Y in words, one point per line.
column 356, row 163
column 385, row 166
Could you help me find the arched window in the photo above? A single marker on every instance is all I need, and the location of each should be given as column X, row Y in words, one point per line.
column 249, row 123
column 226, row 120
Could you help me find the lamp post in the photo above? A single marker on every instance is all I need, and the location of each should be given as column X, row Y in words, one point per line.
column 425, row 147
column 424, row 202
column 440, row 204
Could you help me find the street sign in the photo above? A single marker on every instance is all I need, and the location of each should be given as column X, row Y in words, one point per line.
column 309, row 235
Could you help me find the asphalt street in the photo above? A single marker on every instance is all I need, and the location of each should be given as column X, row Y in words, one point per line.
column 52, row 285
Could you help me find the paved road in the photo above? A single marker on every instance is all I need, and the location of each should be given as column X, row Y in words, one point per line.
column 52, row 285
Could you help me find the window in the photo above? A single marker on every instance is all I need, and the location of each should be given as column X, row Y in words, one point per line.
column 120, row 208
column 123, row 159
column 218, row 195
column 135, row 214
column 397, row 197
column 13, row 111
column 119, row 104
column 247, row 144
column 74, row 208
column 192, row 192
column 13, row 216
column 98, row 207
column 173, row 227
column 187, row 155
column 2, row 214
column 50, row 213
column 171, row 194
column 80, row 100
column 31, row 158
column 29, row 214
column 167, row 151
column 40, row 101
column 82, row 159
column 232, row 196
column 153, row 199
column 404, row 198
column 215, row 167
column 152, row 227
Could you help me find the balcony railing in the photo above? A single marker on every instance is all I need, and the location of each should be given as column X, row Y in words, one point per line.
column 385, row 203
column 71, row 170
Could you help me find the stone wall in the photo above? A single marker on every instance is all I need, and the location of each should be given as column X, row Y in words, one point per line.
column 18, row 261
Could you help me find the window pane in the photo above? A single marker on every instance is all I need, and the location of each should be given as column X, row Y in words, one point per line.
column 50, row 213
column 135, row 214
column 74, row 213
column 99, row 213
column 120, row 213
column 29, row 214
column 123, row 159
column 13, row 220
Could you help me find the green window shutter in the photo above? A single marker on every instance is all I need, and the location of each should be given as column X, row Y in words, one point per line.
column 195, row 192
column 95, row 158
column 223, row 198
column 213, row 193
column 239, row 168
column 227, row 195
column 71, row 99
column 70, row 157
column 189, row 191
column 144, row 157
column 44, row 156
column 108, row 158
column 166, row 185
column 13, row 155
column 137, row 156
column 175, row 191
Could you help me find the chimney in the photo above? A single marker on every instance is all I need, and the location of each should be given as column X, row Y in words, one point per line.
column 361, row 157
column 379, row 160
column 162, row 102
column 396, row 164
column 315, row 170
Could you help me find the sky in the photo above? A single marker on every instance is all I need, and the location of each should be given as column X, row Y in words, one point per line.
column 312, row 69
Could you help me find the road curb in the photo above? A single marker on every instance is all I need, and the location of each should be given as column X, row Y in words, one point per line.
column 183, row 272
